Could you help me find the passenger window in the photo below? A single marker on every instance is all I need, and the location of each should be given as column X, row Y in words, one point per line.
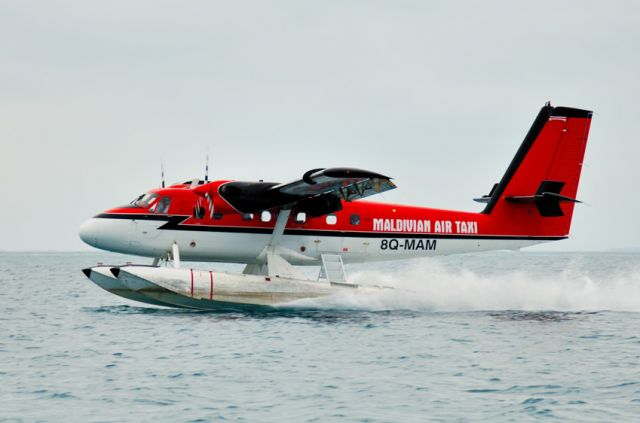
column 301, row 217
column 163, row 205
column 217, row 216
column 354, row 219
column 332, row 219
column 265, row 216
column 247, row 216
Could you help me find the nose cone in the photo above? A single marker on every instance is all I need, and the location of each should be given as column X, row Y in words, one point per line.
column 88, row 232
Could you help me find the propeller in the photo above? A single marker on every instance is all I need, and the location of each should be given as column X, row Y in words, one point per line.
column 210, row 203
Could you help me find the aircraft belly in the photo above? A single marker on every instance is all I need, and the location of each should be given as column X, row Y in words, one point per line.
column 198, row 245
column 246, row 248
column 357, row 250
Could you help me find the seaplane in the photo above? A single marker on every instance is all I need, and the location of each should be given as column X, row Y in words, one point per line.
column 323, row 220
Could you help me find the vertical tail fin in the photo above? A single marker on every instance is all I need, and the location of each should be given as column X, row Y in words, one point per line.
column 538, row 191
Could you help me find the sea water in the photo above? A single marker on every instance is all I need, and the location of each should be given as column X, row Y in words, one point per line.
column 488, row 337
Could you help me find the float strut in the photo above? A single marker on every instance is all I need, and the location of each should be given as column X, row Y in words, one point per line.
column 176, row 255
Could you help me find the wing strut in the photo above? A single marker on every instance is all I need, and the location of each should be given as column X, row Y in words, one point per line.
column 278, row 230
column 276, row 265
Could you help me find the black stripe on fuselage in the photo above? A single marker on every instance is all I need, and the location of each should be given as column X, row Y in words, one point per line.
column 356, row 234
column 137, row 216
column 175, row 223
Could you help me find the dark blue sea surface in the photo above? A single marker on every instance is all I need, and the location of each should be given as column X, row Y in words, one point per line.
column 491, row 337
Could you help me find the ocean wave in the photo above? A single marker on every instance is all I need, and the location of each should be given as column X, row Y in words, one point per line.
column 435, row 285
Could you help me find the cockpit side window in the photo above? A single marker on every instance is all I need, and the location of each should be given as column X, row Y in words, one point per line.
column 163, row 205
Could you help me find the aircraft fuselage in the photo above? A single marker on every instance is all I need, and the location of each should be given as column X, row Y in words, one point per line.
column 362, row 231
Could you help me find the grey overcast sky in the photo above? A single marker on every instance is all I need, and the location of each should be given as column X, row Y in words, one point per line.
column 437, row 94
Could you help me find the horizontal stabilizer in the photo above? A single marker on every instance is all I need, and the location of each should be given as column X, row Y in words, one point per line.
column 540, row 197
column 486, row 198
column 547, row 199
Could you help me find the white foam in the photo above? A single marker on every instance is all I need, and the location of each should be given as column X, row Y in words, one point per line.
column 429, row 285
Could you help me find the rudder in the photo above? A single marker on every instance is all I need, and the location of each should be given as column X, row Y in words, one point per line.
column 538, row 191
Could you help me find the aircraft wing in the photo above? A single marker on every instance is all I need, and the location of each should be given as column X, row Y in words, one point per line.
column 318, row 192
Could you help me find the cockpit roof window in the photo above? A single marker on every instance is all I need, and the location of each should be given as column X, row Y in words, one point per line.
column 145, row 200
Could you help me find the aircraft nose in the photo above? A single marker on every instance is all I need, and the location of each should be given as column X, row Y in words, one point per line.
column 88, row 232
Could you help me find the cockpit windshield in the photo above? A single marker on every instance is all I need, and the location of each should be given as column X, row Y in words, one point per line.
column 144, row 200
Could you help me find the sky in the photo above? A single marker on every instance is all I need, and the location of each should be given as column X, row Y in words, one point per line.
column 436, row 94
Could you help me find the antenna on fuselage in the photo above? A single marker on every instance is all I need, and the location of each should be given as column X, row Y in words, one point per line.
column 206, row 168
column 162, row 172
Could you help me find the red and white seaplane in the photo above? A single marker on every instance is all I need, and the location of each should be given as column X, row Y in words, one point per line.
column 321, row 219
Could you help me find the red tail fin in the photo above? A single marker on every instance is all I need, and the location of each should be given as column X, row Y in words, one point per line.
column 537, row 193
